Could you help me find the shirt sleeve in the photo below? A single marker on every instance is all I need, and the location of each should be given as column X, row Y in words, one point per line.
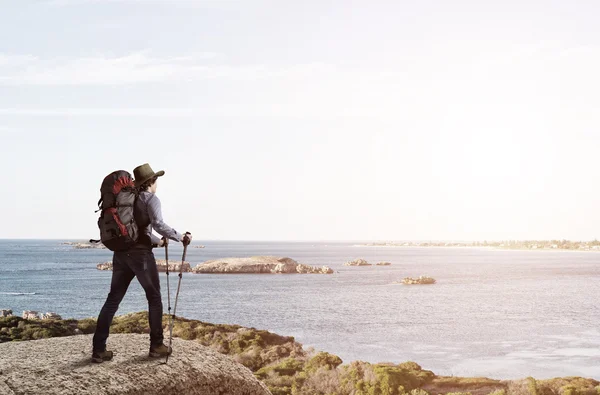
column 155, row 214
column 154, row 239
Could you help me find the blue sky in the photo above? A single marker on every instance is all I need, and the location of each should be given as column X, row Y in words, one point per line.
column 313, row 120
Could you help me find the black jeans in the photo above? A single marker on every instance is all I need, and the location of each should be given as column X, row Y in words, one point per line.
column 126, row 266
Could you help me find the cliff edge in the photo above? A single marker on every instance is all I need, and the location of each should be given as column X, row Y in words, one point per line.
column 62, row 365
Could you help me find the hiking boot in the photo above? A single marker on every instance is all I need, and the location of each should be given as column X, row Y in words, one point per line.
column 101, row 356
column 159, row 351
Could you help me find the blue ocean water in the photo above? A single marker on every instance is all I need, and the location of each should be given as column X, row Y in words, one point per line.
column 501, row 314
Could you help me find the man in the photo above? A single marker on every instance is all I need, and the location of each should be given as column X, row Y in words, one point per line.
column 139, row 262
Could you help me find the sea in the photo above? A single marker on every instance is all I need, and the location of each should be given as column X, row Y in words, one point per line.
column 494, row 313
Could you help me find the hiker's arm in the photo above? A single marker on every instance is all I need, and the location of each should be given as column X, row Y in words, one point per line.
column 155, row 240
column 155, row 214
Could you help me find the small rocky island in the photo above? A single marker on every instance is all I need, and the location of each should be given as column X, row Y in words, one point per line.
column 161, row 264
column 358, row 262
column 258, row 264
column 80, row 245
column 419, row 280
column 383, row 264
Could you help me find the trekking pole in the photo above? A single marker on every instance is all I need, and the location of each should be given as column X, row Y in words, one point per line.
column 186, row 242
column 166, row 244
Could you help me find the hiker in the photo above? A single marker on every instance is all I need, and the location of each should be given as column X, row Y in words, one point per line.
column 138, row 261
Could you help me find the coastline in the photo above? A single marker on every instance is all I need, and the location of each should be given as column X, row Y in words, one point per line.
column 484, row 248
column 281, row 363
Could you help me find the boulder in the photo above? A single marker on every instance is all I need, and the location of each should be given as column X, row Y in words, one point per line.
column 51, row 316
column 259, row 264
column 30, row 315
column 357, row 262
column 62, row 365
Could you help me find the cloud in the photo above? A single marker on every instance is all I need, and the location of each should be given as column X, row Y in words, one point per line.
column 141, row 67
column 529, row 89
column 195, row 3
column 7, row 61
column 125, row 112
column 134, row 68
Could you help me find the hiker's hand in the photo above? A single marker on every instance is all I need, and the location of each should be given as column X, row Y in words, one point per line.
column 187, row 238
column 163, row 242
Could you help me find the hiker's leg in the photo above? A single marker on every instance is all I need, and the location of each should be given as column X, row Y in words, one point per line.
column 147, row 274
column 121, row 278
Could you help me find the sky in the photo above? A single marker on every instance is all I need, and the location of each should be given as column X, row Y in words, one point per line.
column 311, row 120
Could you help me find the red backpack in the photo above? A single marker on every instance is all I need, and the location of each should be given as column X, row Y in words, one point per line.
column 118, row 230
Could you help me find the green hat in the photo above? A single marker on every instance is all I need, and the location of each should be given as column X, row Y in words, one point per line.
column 143, row 173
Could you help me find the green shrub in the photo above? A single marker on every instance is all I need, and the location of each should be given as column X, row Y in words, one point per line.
column 322, row 359
column 532, row 386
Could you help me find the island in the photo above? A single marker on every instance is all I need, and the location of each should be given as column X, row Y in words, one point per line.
column 421, row 280
column 81, row 245
column 161, row 264
column 383, row 264
column 358, row 262
column 258, row 264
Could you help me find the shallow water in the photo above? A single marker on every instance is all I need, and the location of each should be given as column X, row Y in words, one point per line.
column 501, row 314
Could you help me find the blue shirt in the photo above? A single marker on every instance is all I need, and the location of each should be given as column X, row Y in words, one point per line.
column 148, row 216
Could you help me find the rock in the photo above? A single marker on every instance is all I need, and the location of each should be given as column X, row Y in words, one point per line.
column 104, row 266
column 62, row 365
column 259, row 264
column 198, row 246
column 84, row 246
column 383, row 264
column 174, row 266
column 419, row 280
column 51, row 316
column 31, row 315
column 357, row 262
column 6, row 313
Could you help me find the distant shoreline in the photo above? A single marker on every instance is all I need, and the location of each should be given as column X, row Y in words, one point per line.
column 488, row 248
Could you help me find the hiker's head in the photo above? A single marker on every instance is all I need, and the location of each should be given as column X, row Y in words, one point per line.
column 145, row 178
column 149, row 185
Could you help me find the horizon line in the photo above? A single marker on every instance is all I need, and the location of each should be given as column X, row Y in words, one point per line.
column 331, row 240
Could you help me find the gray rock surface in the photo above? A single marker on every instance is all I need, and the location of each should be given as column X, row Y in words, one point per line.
column 161, row 265
column 259, row 264
column 62, row 365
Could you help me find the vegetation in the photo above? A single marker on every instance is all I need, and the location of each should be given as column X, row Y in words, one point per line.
column 287, row 369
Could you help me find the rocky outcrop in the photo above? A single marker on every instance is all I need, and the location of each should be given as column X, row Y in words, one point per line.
column 259, row 264
column 383, row 264
column 418, row 280
column 357, row 262
column 104, row 266
column 62, row 365
column 161, row 264
column 84, row 246
column 30, row 315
